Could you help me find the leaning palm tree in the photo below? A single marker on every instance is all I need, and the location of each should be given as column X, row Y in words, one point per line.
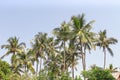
column 105, row 43
column 84, row 36
column 13, row 47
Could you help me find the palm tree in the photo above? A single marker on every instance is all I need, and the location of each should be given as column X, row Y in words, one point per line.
column 112, row 68
column 25, row 62
column 13, row 47
column 84, row 36
column 16, row 66
column 52, row 64
column 72, row 56
column 105, row 43
column 62, row 34
column 50, row 47
column 54, row 59
column 39, row 47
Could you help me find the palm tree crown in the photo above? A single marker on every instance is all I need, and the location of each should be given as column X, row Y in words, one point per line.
column 13, row 46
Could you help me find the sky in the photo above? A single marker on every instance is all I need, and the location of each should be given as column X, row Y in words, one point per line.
column 25, row 18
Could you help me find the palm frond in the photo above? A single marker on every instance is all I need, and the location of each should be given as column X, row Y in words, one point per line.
column 6, row 54
column 110, row 51
column 5, row 46
column 22, row 44
column 112, row 40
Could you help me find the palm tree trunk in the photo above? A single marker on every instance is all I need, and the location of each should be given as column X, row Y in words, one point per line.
column 36, row 68
column 83, row 62
column 25, row 69
column 104, row 58
column 64, row 56
column 73, row 70
column 13, row 59
column 40, row 64
column 82, row 54
column 84, row 58
column 72, row 73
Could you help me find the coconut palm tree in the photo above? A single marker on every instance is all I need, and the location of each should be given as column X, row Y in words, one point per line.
column 24, row 60
column 63, row 34
column 16, row 66
column 72, row 56
column 105, row 43
column 39, row 47
column 13, row 47
column 50, row 47
column 84, row 36
column 112, row 68
column 53, row 65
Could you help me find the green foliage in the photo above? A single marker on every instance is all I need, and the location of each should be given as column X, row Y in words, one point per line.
column 14, row 76
column 2, row 75
column 5, row 70
column 65, row 76
column 51, row 76
column 97, row 73
column 42, row 76
column 78, row 78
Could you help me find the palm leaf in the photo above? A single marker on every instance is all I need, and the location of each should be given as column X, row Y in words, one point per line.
column 6, row 54
column 110, row 51
column 112, row 40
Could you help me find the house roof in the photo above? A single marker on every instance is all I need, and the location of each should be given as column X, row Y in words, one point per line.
column 116, row 75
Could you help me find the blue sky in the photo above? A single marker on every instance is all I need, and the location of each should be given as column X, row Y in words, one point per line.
column 25, row 18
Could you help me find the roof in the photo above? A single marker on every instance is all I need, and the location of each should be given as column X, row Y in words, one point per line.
column 116, row 75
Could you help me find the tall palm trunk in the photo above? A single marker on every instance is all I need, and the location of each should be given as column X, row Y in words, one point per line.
column 13, row 59
column 40, row 64
column 72, row 72
column 104, row 58
column 25, row 69
column 84, row 61
column 36, row 68
column 64, row 56
column 83, row 58
column 73, row 68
